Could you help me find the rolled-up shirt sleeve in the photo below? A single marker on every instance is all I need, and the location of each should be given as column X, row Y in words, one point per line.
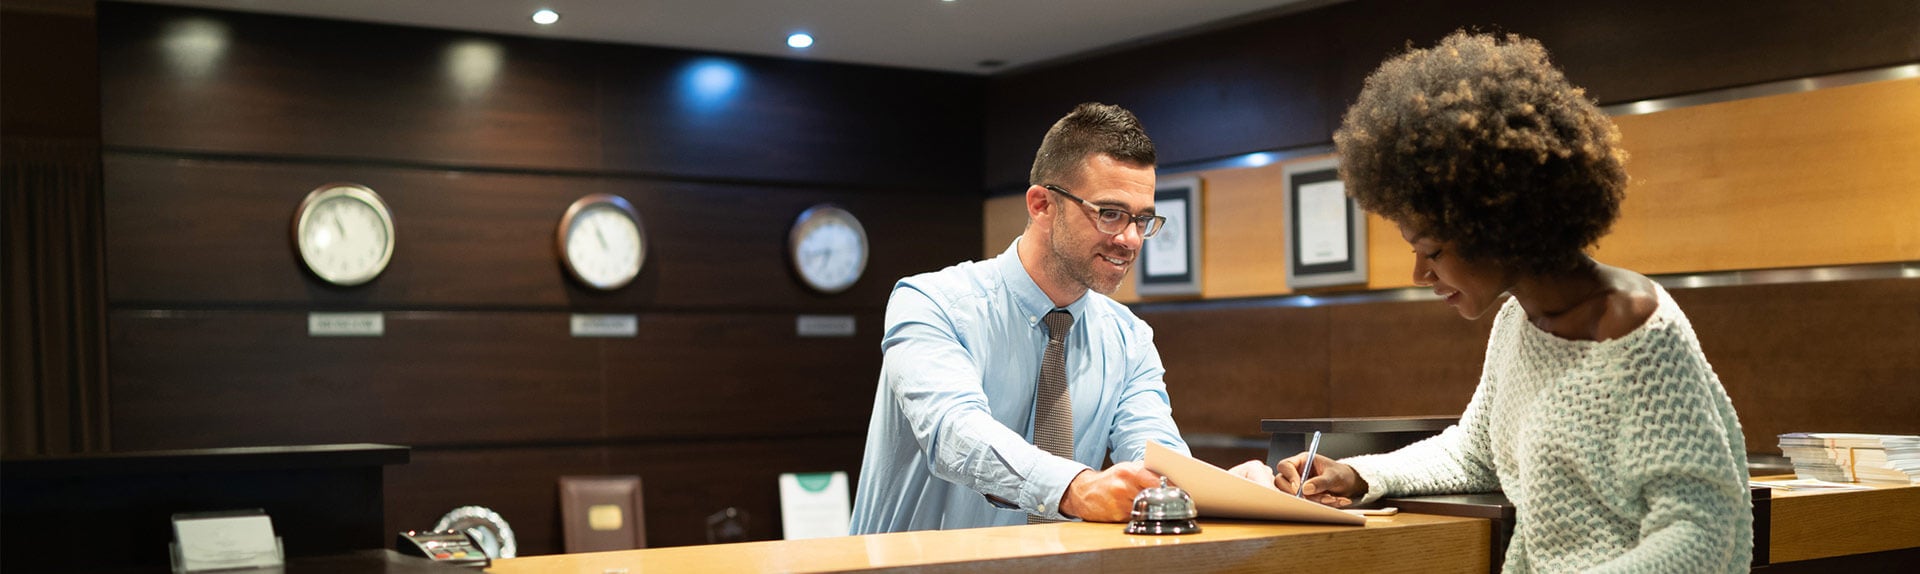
column 930, row 375
column 1145, row 414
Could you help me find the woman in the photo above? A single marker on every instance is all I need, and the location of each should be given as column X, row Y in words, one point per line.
column 1596, row 412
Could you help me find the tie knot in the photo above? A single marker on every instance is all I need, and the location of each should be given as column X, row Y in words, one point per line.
column 1058, row 323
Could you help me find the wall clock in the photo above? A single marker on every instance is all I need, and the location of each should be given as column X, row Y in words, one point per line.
column 828, row 248
column 601, row 241
column 344, row 233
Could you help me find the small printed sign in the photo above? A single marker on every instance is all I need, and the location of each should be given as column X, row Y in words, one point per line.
column 814, row 505
column 224, row 540
column 825, row 325
column 346, row 324
column 589, row 325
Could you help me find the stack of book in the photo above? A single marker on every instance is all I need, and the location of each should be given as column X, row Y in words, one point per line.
column 1852, row 457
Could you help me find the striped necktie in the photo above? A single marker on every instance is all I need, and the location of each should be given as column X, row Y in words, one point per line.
column 1052, row 407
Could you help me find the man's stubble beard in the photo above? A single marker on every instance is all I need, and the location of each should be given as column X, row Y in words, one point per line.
column 1065, row 266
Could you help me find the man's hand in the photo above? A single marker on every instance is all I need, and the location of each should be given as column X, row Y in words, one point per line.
column 1254, row 470
column 1107, row 495
column 1333, row 483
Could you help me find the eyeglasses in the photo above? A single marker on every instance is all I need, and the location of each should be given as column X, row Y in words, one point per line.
column 1113, row 221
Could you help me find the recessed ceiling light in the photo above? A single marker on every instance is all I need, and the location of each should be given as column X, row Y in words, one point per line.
column 544, row 17
column 800, row 40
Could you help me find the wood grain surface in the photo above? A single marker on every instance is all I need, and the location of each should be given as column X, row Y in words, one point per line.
column 1401, row 543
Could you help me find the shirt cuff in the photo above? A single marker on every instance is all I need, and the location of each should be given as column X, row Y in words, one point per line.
column 1048, row 484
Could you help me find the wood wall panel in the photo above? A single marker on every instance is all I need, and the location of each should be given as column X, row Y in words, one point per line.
column 230, row 83
column 1836, row 356
column 1245, row 234
column 1229, row 368
column 1815, row 178
column 717, row 116
column 740, row 375
column 1827, row 357
column 1003, row 218
column 226, row 82
column 1403, row 359
column 724, row 246
column 681, row 484
column 196, row 232
column 521, row 484
column 200, row 232
column 203, row 379
column 687, row 482
column 1284, row 82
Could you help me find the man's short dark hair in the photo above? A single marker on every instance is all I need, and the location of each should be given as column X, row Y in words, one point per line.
column 1091, row 129
column 1481, row 142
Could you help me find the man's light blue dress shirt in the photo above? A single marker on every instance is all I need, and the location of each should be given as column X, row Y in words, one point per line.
column 953, row 417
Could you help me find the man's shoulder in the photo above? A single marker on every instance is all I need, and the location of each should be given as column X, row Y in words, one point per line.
column 955, row 281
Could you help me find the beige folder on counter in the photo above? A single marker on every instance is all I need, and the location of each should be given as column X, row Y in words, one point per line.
column 1220, row 494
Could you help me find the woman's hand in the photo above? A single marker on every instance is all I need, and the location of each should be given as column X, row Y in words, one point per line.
column 1333, row 483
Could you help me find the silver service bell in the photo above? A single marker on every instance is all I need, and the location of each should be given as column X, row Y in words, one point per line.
column 1163, row 509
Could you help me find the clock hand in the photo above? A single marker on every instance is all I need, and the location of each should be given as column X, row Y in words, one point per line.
column 602, row 234
column 337, row 224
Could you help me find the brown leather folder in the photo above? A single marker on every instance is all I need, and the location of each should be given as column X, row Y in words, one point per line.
column 600, row 513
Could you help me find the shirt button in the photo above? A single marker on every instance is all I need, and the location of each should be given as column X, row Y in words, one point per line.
column 1032, row 320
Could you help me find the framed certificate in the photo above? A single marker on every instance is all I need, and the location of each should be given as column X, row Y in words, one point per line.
column 1326, row 232
column 1170, row 260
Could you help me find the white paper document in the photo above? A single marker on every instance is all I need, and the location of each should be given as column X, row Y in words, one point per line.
column 1323, row 223
column 1220, row 494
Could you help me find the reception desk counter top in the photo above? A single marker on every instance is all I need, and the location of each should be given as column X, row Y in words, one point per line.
column 1401, row 543
column 1873, row 528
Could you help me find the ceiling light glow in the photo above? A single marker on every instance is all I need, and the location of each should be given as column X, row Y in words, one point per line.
column 800, row 40
column 544, row 17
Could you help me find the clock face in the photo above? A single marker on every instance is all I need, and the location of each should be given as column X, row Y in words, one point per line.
column 829, row 248
column 601, row 241
column 344, row 234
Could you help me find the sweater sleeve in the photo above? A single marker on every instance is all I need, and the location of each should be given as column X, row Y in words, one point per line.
column 1676, row 467
column 1457, row 460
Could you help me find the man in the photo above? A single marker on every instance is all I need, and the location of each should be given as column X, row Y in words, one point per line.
column 964, row 383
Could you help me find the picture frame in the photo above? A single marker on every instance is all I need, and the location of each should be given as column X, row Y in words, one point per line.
column 1170, row 261
column 1325, row 230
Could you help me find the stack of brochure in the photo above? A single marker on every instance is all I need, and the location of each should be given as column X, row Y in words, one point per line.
column 1852, row 457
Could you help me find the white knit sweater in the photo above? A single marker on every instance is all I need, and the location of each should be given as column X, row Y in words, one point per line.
column 1619, row 456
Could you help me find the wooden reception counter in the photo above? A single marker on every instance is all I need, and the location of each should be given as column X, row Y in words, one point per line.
column 1401, row 543
column 1881, row 526
column 1799, row 531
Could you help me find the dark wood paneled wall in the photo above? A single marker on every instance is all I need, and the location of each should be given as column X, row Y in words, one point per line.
column 216, row 124
column 196, row 232
column 216, row 82
column 1837, row 356
column 1283, row 82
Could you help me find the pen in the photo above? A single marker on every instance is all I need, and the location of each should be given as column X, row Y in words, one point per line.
column 1305, row 469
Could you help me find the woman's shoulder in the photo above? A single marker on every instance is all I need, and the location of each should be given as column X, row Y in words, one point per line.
column 1630, row 305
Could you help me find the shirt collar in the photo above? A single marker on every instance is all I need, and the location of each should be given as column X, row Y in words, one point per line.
column 1032, row 301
